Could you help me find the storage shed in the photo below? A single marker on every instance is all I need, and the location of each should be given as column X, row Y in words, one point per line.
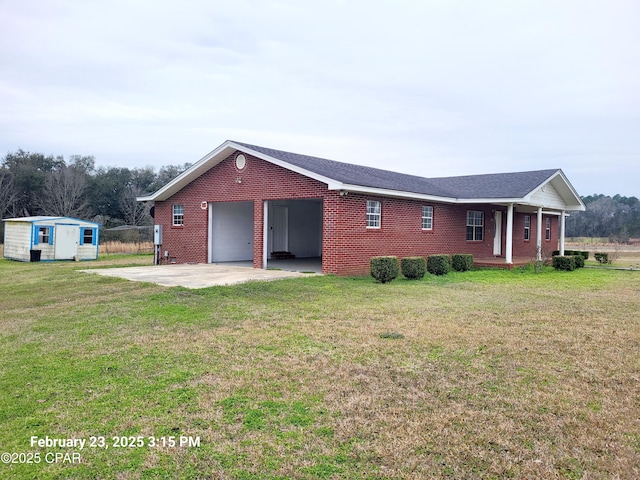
column 34, row 239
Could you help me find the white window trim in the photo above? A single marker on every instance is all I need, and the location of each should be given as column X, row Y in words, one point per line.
column 429, row 217
column 547, row 229
column 174, row 215
column 374, row 215
column 527, row 228
column 474, row 225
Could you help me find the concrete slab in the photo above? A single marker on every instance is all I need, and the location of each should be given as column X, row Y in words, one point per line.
column 194, row 276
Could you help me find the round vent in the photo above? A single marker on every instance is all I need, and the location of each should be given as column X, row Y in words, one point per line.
column 241, row 161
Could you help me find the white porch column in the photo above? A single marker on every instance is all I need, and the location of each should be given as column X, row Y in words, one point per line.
column 508, row 254
column 562, row 217
column 539, row 235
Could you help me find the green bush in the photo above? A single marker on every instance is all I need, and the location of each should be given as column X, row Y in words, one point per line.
column 438, row 264
column 461, row 262
column 584, row 254
column 579, row 259
column 601, row 257
column 384, row 269
column 413, row 268
column 566, row 262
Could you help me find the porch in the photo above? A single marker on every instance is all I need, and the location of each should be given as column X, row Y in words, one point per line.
column 499, row 262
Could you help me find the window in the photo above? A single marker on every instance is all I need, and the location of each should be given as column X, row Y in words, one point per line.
column 373, row 214
column 44, row 236
column 527, row 227
column 178, row 215
column 88, row 236
column 547, row 228
column 427, row 218
column 475, row 225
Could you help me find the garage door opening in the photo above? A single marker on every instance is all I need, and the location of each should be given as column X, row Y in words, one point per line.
column 293, row 235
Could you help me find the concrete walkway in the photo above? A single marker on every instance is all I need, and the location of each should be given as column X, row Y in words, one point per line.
column 194, row 276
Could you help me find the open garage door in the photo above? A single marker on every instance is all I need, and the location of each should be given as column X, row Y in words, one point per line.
column 294, row 229
column 230, row 231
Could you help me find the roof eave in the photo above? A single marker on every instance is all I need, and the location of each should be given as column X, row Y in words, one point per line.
column 207, row 162
column 287, row 165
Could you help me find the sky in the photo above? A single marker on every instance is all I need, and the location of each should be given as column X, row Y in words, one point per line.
column 426, row 87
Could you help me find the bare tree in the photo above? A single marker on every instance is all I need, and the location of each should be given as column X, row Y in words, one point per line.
column 8, row 194
column 64, row 193
column 135, row 213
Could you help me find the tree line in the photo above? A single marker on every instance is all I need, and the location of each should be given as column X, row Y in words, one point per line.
column 35, row 184
column 616, row 218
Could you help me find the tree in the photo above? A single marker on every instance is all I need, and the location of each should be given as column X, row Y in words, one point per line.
column 165, row 175
column 615, row 217
column 135, row 213
column 7, row 193
column 106, row 189
column 29, row 171
column 64, row 193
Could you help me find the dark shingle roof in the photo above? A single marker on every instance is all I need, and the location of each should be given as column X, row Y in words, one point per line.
column 498, row 185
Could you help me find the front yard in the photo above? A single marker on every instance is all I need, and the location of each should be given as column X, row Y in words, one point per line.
column 484, row 374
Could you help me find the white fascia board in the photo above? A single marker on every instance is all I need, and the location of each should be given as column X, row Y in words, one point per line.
column 207, row 162
column 382, row 192
column 495, row 201
column 286, row 165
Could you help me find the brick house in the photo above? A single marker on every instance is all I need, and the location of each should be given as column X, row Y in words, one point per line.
column 248, row 203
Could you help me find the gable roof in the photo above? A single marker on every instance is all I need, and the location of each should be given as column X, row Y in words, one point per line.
column 489, row 188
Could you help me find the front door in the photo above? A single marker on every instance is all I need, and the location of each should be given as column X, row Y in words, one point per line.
column 66, row 242
column 497, row 234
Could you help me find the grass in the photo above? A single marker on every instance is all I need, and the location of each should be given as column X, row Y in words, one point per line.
column 482, row 374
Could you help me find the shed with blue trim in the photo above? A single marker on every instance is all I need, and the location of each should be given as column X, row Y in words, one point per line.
column 43, row 238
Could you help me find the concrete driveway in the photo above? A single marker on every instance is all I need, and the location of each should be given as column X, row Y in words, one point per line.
column 194, row 276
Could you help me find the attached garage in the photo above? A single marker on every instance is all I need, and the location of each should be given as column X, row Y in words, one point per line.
column 50, row 238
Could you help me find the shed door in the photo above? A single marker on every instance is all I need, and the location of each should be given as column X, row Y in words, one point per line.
column 66, row 242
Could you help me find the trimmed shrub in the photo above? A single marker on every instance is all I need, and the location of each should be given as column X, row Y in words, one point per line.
column 579, row 259
column 584, row 254
column 384, row 269
column 566, row 262
column 413, row 268
column 601, row 257
column 461, row 262
column 438, row 264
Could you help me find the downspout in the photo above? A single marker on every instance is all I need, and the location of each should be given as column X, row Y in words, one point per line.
column 509, row 244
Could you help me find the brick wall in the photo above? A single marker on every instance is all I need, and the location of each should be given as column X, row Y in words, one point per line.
column 401, row 233
column 347, row 244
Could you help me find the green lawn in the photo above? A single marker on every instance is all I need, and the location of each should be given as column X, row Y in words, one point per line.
column 483, row 374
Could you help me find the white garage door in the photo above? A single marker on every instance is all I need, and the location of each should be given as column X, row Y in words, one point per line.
column 231, row 231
